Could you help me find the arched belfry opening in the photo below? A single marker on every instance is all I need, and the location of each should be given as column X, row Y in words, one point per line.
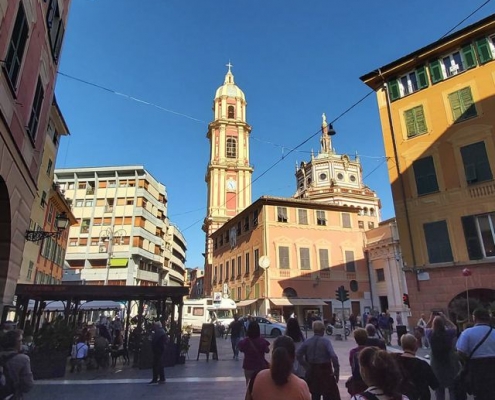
column 5, row 233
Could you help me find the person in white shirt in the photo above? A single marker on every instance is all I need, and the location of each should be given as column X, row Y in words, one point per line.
column 78, row 354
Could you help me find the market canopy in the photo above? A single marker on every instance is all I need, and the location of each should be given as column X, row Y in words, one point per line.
column 295, row 301
column 244, row 303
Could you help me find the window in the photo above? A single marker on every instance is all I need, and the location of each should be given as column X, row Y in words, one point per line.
column 350, row 265
column 239, row 265
column 30, row 270
column 324, row 260
column 112, row 184
column 371, row 224
column 462, row 105
column 484, row 48
column 247, row 263
column 246, row 224
column 16, row 46
column 437, row 242
column 231, row 147
column 238, row 229
column 239, row 292
column 415, row 121
column 35, row 110
column 302, row 216
column 255, row 218
column 79, row 203
column 56, row 27
column 361, row 224
column 43, row 199
column 227, row 270
column 320, row 218
column 220, row 277
column 230, row 112
column 215, row 244
column 380, row 275
column 304, row 258
column 85, row 225
column 256, row 258
column 346, row 220
column 232, row 275
column 282, row 214
column 283, row 257
column 425, row 175
column 452, row 64
column 408, row 83
column 476, row 164
column 215, row 275
column 50, row 214
column 479, row 233
column 49, row 167
column 129, row 202
column 110, row 203
column 89, row 203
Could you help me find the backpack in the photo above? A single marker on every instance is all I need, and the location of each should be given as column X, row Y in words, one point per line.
column 7, row 386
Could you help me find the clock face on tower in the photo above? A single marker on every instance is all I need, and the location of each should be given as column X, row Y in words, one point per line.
column 231, row 184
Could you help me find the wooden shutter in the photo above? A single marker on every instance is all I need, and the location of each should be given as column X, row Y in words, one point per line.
column 393, row 90
column 324, row 262
column 410, row 125
column 436, row 71
column 304, row 258
column 437, row 242
column 350, row 265
column 468, row 56
column 346, row 220
column 419, row 116
column 473, row 244
column 484, row 51
column 424, row 172
column 283, row 254
column 467, row 103
column 455, row 105
column 422, row 77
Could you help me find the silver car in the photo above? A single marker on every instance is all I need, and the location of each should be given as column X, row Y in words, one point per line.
column 270, row 327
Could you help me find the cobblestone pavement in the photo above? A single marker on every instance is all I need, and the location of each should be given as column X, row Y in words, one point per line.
column 193, row 380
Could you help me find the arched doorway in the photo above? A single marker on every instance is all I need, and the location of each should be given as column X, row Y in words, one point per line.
column 289, row 292
column 478, row 297
column 5, row 233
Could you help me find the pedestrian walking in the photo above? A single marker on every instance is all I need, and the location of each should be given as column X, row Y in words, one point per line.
column 318, row 357
column 158, row 340
column 441, row 334
column 373, row 339
column 294, row 332
column 380, row 372
column 254, row 348
column 79, row 353
column 235, row 329
column 352, row 321
column 355, row 383
column 476, row 346
column 421, row 331
column 384, row 327
column 417, row 375
column 16, row 364
column 278, row 382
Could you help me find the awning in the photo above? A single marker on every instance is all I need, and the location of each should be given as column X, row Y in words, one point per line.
column 244, row 303
column 281, row 302
column 119, row 262
column 307, row 302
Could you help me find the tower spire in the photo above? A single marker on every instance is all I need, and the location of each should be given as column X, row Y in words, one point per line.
column 229, row 77
column 326, row 144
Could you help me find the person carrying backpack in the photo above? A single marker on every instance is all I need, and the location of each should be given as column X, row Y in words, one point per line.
column 16, row 377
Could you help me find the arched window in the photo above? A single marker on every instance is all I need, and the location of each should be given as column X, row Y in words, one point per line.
column 289, row 292
column 230, row 112
column 372, row 212
column 231, row 147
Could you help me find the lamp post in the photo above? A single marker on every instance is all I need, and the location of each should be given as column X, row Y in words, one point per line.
column 466, row 272
column 109, row 234
column 61, row 223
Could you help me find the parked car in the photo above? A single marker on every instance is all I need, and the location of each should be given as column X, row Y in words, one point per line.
column 270, row 326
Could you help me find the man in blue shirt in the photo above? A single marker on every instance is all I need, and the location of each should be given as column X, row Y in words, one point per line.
column 482, row 362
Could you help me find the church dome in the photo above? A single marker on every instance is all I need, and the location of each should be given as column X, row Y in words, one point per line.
column 229, row 88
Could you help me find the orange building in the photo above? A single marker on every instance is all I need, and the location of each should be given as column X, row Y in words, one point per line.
column 435, row 107
column 309, row 249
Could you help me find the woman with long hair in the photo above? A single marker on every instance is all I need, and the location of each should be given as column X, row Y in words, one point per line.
column 254, row 348
column 279, row 383
column 380, row 372
column 441, row 334
column 294, row 332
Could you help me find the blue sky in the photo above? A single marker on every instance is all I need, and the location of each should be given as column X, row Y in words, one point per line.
column 293, row 59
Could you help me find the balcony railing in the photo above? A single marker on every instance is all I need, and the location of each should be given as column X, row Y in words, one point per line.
column 482, row 190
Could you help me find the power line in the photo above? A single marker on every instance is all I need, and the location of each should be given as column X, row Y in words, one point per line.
column 469, row 16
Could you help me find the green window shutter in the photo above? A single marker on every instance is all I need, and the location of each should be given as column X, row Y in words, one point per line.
column 467, row 103
column 393, row 90
column 410, row 123
column 484, row 51
column 422, row 77
column 419, row 116
column 469, row 57
column 435, row 71
column 471, row 236
column 455, row 105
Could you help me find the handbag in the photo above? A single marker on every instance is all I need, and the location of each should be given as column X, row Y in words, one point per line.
column 462, row 382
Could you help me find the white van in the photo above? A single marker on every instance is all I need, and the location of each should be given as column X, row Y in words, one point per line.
column 201, row 311
column 222, row 311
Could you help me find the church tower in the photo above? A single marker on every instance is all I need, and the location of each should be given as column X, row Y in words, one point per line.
column 228, row 175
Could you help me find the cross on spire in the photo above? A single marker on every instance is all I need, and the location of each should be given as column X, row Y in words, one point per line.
column 229, row 65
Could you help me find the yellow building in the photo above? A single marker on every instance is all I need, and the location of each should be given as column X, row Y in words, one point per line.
column 436, row 109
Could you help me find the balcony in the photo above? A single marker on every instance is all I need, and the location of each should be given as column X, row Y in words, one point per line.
column 482, row 190
column 147, row 275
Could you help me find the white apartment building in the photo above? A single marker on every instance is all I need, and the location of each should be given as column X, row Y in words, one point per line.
column 123, row 235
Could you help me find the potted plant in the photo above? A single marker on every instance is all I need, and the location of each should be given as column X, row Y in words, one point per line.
column 51, row 347
column 184, row 346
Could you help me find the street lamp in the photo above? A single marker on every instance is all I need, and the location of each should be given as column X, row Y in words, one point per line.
column 61, row 222
column 466, row 272
column 109, row 234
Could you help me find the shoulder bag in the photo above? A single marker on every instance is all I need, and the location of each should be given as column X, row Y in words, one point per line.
column 264, row 364
column 462, row 382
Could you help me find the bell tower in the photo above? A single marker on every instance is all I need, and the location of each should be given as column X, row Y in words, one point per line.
column 228, row 174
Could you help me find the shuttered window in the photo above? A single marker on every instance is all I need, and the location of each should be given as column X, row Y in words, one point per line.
column 435, row 71
column 324, row 261
column 350, row 265
column 302, row 216
column 437, row 242
column 476, row 164
column 34, row 118
column 462, row 105
column 304, row 258
column 425, row 175
column 17, row 45
column 473, row 244
column 483, row 50
column 409, row 83
column 468, row 56
column 415, row 121
column 346, row 220
column 283, row 257
column 282, row 214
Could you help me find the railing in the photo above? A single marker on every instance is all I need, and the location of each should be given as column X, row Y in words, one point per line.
column 480, row 191
column 284, row 273
column 325, row 274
